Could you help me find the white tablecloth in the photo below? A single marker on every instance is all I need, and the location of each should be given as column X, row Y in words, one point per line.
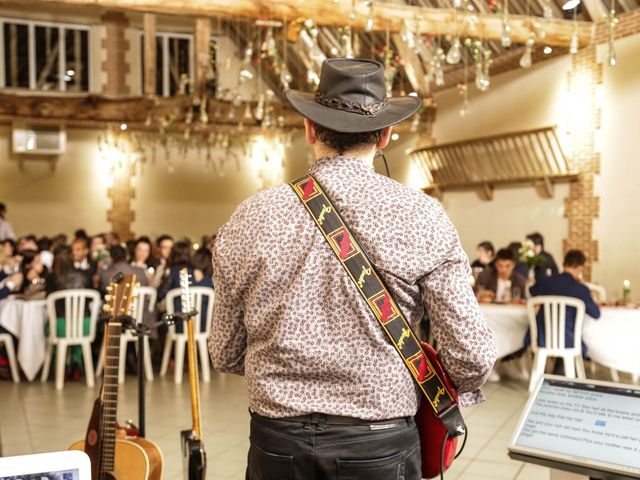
column 612, row 340
column 26, row 320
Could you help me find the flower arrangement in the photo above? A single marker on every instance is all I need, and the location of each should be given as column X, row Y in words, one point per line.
column 528, row 255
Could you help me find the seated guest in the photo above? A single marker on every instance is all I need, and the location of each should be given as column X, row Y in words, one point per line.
column 164, row 246
column 142, row 256
column 81, row 259
column 6, row 230
column 34, row 273
column 119, row 265
column 8, row 261
column 10, row 283
column 567, row 284
column 498, row 283
column 46, row 254
column 485, row 253
column 521, row 267
column 549, row 267
column 200, row 271
column 28, row 242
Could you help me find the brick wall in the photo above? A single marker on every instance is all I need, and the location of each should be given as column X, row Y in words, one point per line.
column 582, row 206
column 116, row 46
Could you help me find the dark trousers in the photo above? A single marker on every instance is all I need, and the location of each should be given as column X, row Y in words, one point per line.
column 284, row 450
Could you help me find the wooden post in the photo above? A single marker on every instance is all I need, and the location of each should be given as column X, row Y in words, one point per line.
column 202, row 39
column 149, row 64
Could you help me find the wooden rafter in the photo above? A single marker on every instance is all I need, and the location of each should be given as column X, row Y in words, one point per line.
column 439, row 21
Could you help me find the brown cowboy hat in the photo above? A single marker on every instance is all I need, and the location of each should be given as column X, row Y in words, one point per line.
column 352, row 97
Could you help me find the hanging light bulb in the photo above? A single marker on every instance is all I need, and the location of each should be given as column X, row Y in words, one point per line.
column 345, row 41
column 547, row 11
column 613, row 22
column 408, row 36
column 454, row 54
column 369, row 24
column 285, row 77
column 245, row 68
column 573, row 46
column 464, row 110
column 259, row 113
column 526, row 60
column 506, row 32
column 613, row 60
column 439, row 70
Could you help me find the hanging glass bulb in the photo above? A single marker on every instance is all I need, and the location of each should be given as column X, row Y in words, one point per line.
column 345, row 41
column 454, row 55
column 573, row 47
column 369, row 24
column 464, row 110
column 285, row 77
column 313, row 78
column 245, row 68
column 408, row 37
column 613, row 60
column 613, row 22
column 438, row 72
column 526, row 60
column 506, row 32
column 481, row 81
column 259, row 113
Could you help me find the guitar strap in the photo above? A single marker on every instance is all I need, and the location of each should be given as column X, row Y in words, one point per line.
column 376, row 294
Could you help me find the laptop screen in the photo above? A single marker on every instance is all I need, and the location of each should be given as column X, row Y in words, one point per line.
column 59, row 475
column 583, row 422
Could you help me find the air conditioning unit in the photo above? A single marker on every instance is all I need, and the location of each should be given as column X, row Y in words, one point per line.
column 39, row 139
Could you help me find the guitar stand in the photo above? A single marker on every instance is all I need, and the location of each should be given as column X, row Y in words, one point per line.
column 139, row 330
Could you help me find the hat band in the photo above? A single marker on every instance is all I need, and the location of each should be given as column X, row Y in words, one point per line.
column 369, row 109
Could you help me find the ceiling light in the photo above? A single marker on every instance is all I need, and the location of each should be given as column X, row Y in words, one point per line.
column 547, row 50
column 570, row 4
column 413, row 94
column 395, row 136
column 123, row 126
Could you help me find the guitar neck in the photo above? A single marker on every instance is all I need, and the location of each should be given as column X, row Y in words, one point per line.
column 109, row 396
column 193, row 379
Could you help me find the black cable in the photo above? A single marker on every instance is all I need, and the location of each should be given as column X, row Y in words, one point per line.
column 464, row 442
column 380, row 153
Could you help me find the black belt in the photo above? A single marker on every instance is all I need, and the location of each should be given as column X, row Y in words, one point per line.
column 322, row 418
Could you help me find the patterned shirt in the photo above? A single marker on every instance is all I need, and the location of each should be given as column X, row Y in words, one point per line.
column 290, row 319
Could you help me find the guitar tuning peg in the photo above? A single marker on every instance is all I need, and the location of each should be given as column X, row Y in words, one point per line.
column 109, row 288
column 108, row 297
column 106, row 308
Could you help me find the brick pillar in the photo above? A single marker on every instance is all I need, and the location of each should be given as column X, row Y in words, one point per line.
column 121, row 215
column 116, row 47
column 582, row 205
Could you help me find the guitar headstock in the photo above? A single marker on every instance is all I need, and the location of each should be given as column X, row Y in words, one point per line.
column 185, row 295
column 120, row 294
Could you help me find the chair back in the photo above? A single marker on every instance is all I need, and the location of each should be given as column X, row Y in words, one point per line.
column 554, row 308
column 76, row 302
column 198, row 294
column 144, row 302
column 598, row 291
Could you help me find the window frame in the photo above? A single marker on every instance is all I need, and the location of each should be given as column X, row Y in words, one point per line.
column 166, row 80
column 62, row 53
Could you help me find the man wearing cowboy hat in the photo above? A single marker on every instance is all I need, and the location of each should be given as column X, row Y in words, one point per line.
column 328, row 395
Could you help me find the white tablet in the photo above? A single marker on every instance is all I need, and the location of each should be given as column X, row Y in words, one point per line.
column 67, row 465
column 586, row 424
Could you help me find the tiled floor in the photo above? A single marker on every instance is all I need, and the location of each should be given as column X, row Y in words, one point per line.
column 34, row 417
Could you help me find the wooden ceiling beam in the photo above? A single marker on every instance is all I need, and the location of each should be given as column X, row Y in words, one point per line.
column 424, row 20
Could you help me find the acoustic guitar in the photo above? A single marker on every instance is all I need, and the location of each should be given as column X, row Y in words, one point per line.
column 114, row 458
column 195, row 458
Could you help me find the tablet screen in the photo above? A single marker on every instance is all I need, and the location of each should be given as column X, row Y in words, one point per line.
column 60, row 475
column 585, row 421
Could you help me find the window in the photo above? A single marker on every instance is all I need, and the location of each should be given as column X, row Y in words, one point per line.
column 44, row 56
column 174, row 60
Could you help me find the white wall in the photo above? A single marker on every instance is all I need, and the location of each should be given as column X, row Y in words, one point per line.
column 518, row 100
column 618, row 228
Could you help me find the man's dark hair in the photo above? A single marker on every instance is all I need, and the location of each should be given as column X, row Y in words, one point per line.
column 180, row 255
column 162, row 238
column 343, row 142
column 574, row 258
column 3, row 209
column 118, row 254
column 536, row 238
column 143, row 239
column 202, row 261
column 505, row 254
column 515, row 247
column 85, row 240
column 488, row 246
column 44, row 243
column 81, row 233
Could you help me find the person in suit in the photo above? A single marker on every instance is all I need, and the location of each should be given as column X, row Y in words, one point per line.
column 568, row 284
column 82, row 261
column 549, row 267
column 119, row 265
column 500, row 282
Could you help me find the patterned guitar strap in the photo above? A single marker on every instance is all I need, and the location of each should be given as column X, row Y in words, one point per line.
column 370, row 285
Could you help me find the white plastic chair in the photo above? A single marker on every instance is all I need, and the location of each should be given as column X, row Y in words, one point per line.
column 11, row 354
column 554, row 308
column 180, row 339
column 144, row 301
column 598, row 291
column 75, row 303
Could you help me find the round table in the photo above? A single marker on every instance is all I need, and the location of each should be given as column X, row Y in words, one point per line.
column 611, row 340
column 26, row 320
